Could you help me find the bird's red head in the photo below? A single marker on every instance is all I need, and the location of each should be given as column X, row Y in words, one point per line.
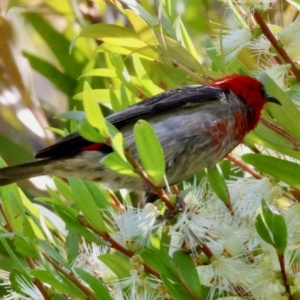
column 249, row 89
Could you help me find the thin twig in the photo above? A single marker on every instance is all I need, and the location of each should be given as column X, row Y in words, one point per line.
column 283, row 133
column 37, row 282
column 114, row 244
column 71, row 276
column 269, row 35
column 238, row 162
column 284, row 276
column 205, row 249
column 148, row 181
column 200, row 79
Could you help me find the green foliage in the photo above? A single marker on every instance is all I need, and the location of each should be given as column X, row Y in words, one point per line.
column 77, row 240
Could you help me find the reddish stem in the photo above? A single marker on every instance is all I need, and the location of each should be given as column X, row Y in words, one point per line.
column 269, row 35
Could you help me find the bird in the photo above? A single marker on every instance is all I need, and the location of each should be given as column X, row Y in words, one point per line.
column 197, row 126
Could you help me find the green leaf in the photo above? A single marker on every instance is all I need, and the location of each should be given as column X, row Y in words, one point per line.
column 59, row 45
column 119, row 36
column 160, row 261
column 115, row 100
column 118, row 144
column 12, row 151
column 114, row 162
column 16, row 276
column 188, row 272
column 25, row 247
column 283, row 170
column 87, row 131
column 72, row 115
column 93, row 112
column 148, row 86
column 121, row 70
column 63, row 188
column 262, row 230
column 138, row 8
column 102, row 72
column 86, row 203
column 74, row 224
column 267, row 213
column 280, row 233
column 106, row 47
column 218, row 184
column 100, row 290
column 143, row 30
column 181, row 55
column 14, row 209
column 101, row 196
column 150, row 151
column 187, row 40
column 288, row 113
column 59, row 282
column 119, row 265
column 53, row 253
column 175, row 289
column 72, row 245
column 62, row 81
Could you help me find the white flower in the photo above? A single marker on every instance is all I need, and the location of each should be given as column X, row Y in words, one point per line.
column 27, row 288
column 232, row 41
column 247, row 193
column 134, row 226
column 278, row 73
column 290, row 38
column 139, row 284
column 261, row 46
column 88, row 260
column 249, row 5
column 225, row 274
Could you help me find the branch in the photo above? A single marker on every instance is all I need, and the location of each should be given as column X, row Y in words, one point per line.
column 269, row 35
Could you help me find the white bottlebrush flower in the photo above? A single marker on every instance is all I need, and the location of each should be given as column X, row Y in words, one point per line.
column 278, row 73
column 27, row 288
column 134, row 226
column 232, row 41
column 88, row 260
column 138, row 284
column 249, row 5
column 290, row 39
column 247, row 194
column 261, row 46
column 227, row 274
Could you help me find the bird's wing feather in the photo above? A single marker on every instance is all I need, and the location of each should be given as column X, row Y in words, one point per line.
column 174, row 99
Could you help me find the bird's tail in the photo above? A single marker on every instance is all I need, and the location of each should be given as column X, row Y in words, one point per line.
column 22, row 171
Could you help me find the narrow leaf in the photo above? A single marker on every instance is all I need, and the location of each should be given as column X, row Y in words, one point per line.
column 218, row 184
column 189, row 274
column 284, row 170
column 87, row 204
column 150, row 151
column 93, row 112
column 262, row 230
column 280, row 233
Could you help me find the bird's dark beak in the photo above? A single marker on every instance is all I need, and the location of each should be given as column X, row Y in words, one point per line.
column 272, row 100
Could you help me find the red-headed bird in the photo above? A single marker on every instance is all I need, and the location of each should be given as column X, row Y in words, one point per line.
column 197, row 127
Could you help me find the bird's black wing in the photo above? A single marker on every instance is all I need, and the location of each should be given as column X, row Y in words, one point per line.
column 166, row 101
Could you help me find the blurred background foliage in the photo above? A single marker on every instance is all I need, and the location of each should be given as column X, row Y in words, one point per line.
column 127, row 51
column 41, row 72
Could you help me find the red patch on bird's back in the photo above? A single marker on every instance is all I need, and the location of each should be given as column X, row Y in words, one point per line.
column 240, row 127
column 218, row 133
column 93, row 147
